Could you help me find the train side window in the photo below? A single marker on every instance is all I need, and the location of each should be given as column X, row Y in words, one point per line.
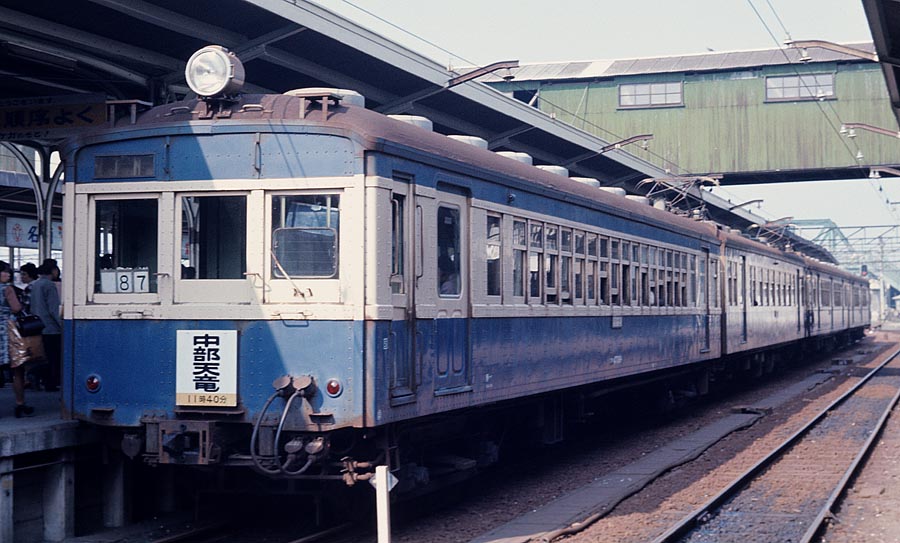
column 565, row 268
column 670, row 288
column 305, row 233
column 702, row 291
column 579, row 268
column 591, row 273
column 693, row 282
column 684, row 280
column 551, row 263
column 214, row 237
column 398, row 244
column 535, row 259
column 604, row 271
column 661, row 278
column 126, row 245
column 520, row 251
column 714, row 282
column 448, row 257
column 615, row 273
column 493, row 245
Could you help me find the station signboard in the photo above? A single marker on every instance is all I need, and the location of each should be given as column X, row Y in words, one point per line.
column 50, row 117
column 24, row 233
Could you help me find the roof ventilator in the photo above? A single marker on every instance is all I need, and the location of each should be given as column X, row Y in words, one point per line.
column 558, row 170
column 524, row 158
column 481, row 143
column 415, row 120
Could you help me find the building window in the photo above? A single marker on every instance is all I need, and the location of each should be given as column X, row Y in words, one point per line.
column 650, row 95
column 799, row 87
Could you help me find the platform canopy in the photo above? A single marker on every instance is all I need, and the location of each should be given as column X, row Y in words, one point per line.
column 884, row 22
column 136, row 50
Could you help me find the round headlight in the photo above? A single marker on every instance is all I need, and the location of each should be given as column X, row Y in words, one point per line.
column 214, row 70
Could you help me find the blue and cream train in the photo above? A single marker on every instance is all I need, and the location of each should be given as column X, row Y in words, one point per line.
column 300, row 285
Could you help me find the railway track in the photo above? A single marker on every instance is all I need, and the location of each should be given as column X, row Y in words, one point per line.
column 228, row 532
column 791, row 493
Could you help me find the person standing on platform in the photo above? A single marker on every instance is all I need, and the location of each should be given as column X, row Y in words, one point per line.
column 27, row 274
column 45, row 304
column 9, row 304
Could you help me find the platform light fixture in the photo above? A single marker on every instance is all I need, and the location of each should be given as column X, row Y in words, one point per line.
column 876, row 171
column 400, row 105
column 213, row 71
column 849, row 130
column 830, row 46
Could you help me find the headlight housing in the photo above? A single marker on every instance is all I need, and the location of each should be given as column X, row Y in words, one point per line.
column 214, row 70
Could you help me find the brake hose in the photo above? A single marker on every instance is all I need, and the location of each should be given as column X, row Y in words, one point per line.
column 284, row 413
column 255, row 436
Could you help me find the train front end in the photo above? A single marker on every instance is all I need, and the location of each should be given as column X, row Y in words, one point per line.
column 213, row 308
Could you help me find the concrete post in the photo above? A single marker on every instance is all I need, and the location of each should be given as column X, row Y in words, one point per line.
column 6, row 500
column 59, row 499
column 115, row 510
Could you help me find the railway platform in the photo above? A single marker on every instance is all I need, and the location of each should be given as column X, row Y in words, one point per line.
column 38, row 459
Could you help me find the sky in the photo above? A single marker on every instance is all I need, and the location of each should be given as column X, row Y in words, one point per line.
column 477, row 32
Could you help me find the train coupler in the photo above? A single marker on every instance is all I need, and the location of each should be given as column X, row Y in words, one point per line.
column 352, row 471
column 187, row 442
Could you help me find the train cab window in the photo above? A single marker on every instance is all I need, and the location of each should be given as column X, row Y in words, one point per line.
column 493, row 247
column 126, row 241
column 214, row 237
column 520, row 251
column 448, row 256
column 305, row 233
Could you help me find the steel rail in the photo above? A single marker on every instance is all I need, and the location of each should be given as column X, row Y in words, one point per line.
column 695, row 518
column 839, row 490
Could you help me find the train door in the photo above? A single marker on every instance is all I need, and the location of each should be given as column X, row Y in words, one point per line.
column 703, row 300
column 405, row 268
column 795, row 299
column 743, row 298
column 817, row 296
column 449, row 333
column 830, row 287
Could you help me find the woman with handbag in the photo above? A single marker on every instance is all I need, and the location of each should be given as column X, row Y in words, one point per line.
column 9, row 304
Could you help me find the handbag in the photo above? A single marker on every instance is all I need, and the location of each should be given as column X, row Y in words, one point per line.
column 29, row 325
column 23, row 350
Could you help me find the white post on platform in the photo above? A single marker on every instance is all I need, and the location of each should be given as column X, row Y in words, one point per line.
column 6, row 500
column 383, row 503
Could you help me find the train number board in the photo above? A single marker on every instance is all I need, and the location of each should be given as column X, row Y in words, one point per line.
column 206, row 368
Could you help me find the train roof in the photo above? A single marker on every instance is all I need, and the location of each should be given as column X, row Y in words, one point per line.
column 380, row 132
